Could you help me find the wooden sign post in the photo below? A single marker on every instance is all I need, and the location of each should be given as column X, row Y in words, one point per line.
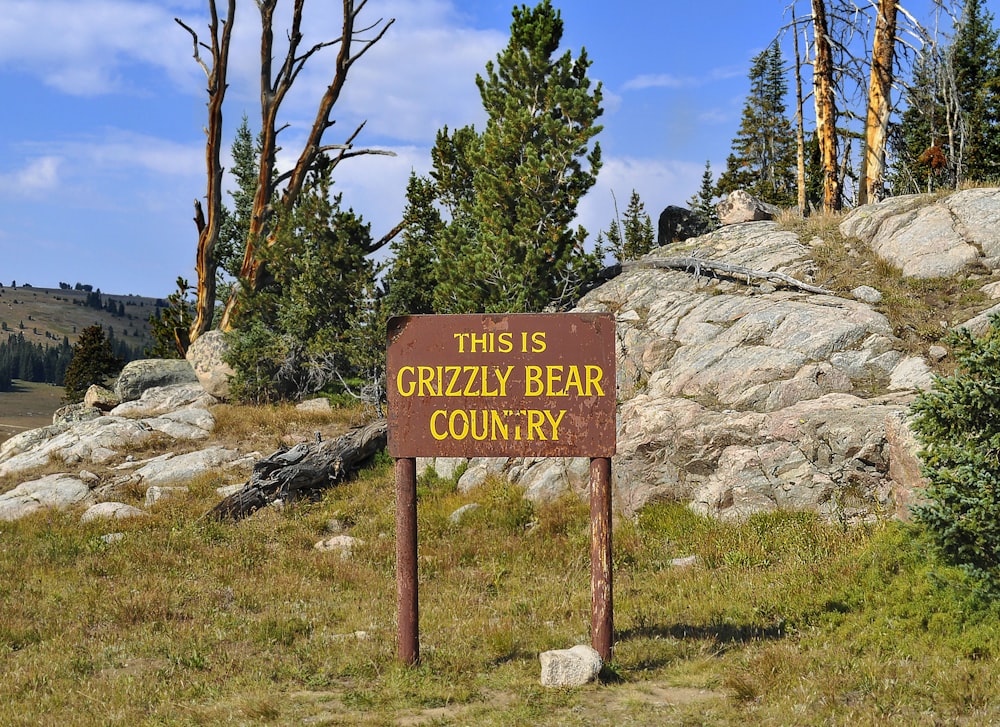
column 518, row 385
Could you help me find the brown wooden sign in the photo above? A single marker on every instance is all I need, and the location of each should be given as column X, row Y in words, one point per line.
column 510, row 385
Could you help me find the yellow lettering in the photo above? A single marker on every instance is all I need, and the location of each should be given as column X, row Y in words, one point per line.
column 458, row 414
column 478, row 341
column 502, row 378
column 538, row 341
column 453, row 371
column 555, row 422
column 535, row 421
column 434, row 431
column 405, row 390
column 498, row 426
column 461, row 341
column 425, row 378
column 552, row 378
column 471, row 371
column 484, row 432
column 533, row 381
column 505, row 342
column 573, row 381
column 594, row 376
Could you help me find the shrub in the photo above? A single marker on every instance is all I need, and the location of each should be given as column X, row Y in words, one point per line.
column 958, row 425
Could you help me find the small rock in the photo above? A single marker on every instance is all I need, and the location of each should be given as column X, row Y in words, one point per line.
column 100, row 398
column 992, row 290
column 911, row 373
column 110, row 538
column 937, row 353
column 318, row 405
column 89, row 478
column 110, row 510
column 570, row 667
column 687, row 561
column 741, row 206
column 867, row 294
column 345, row 544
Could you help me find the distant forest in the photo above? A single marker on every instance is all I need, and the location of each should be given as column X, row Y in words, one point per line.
column 21, row 359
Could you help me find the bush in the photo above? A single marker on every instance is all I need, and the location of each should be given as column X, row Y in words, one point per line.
column 958, row 426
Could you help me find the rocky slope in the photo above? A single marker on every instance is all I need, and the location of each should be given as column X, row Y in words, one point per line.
column 743, row 397
column 739, row 393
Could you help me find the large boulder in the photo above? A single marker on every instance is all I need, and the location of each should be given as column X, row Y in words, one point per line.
column 137, row 376
column 677, row 224
column 739, row 398
column 741, row 206
column 927, row 237
column 206, row 358
column 51, row 492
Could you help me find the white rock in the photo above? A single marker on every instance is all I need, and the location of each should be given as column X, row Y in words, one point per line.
column 58, row 491
column 456, row 517
column 570, row 667
column 911, row 373
column 110, row 510
column 867, row 294
column 344, row 544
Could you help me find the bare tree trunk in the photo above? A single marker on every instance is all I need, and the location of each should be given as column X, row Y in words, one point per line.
column 879, row 88
column 303, row 471
column 209, row 219
column 826, row 108
column 272, row 92
column 800, row 140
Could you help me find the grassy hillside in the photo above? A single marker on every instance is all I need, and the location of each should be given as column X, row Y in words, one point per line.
column 45, row 315
column 781, row 620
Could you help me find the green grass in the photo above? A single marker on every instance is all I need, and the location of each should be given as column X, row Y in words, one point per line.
column 784, row 620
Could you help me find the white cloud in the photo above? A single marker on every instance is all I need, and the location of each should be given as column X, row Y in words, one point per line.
column 38, row 175
column 658, row 182
column 84, row 47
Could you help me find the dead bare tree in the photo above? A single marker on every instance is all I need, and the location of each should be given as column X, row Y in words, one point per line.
column 879, row 104
column 208, row 219
column 826, row 107
column 276, row 80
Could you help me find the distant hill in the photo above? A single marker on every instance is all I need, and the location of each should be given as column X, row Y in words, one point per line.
column 47, row 315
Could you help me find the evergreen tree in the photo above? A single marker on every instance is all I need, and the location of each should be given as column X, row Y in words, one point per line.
column 702, row 203
column 236, row 221
column 958, row 424
column 763, row 153
column 93, row 362
column 976, row 64
column 950, row 129
column 292, row 336
column 511, row 192
column 169, row 324
column 411, row 277
column 632, row 236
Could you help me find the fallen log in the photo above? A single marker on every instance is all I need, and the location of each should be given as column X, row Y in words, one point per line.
column 303, row 471
column 696, row 265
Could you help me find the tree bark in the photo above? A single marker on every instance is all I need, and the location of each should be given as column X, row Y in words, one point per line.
column 209, row 219
column 800, row 141
column 303, row 471
column 826, row 108
column 879, row 88
column 273, row 89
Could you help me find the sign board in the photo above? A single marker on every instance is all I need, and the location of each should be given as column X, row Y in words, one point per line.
column 513, row 385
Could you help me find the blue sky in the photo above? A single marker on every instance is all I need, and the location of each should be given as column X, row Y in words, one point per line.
column 102, row 148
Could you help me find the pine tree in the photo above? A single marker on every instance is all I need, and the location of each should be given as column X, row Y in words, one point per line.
column 292, row 335
column 93, row 362
column 763, row 153
column 632, row 236
column 511, row 192
column 410, row 279
column 236, row 221
column 976, row 64
column 702, row 203
column 169, row 325
column 949, row 131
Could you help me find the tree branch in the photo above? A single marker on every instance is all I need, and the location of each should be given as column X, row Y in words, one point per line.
column 734, row 272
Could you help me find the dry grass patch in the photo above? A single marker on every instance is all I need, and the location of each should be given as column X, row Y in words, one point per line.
column 268, row 427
